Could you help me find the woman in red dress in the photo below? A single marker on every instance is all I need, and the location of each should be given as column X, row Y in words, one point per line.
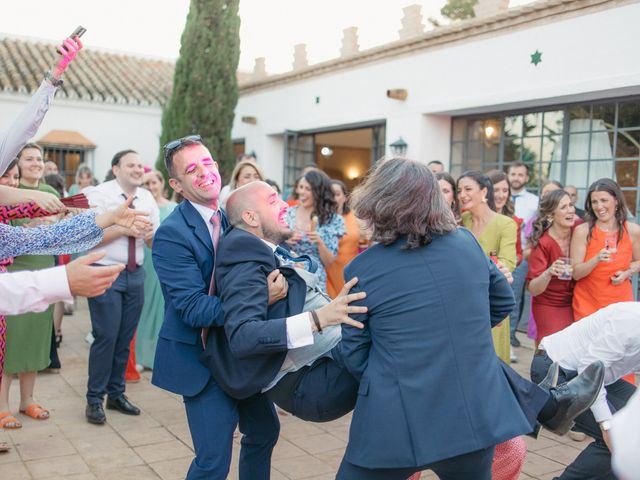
column 549, row 276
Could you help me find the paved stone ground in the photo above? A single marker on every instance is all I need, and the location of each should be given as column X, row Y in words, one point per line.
column 157, row 444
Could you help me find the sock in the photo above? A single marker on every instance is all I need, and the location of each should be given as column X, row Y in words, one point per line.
column 549, row 409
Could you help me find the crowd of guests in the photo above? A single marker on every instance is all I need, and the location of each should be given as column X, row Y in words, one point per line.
column 148, row 267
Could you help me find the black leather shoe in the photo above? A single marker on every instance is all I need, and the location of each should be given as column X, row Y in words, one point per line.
column 123, row 405
column 95, row 413
column 551, row 378
column 575, row 397
column 514, row 341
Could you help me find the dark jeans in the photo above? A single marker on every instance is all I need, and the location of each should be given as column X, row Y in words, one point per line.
column 594, row 462
column 114, row 319
column 213, row 416
column 470, row 466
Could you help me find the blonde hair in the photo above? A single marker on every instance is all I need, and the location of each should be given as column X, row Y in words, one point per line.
column 233, row 183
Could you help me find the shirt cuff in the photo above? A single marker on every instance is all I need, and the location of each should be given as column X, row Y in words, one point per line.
column 601, row 410
column 56, row 285
column 299, row 332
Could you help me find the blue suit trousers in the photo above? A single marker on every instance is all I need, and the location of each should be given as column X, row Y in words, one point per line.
column 213, row 416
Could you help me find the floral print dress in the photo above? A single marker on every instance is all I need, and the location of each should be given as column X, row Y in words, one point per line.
column 330, row 233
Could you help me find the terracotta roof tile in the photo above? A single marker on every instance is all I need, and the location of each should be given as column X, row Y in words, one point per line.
column 94, row 76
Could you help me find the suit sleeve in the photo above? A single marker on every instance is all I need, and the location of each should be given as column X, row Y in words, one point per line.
column 245, row 296
column 181, row 278
column 356, row 342
column 501, row 300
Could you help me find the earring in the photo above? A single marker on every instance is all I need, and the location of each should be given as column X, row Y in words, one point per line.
column 484, row 200
column 550, row 220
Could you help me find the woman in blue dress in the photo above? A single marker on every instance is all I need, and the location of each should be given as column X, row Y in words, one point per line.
column 316, row 225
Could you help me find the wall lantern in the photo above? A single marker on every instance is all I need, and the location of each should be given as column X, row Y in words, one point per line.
column 399, row 147
column 397, row 94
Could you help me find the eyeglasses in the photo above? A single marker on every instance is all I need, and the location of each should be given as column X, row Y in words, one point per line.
column 172, row 145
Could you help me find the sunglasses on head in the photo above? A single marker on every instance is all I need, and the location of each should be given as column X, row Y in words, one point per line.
column 172, row 145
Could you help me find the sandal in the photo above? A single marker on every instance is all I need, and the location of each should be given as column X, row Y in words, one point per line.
column 36, row 412
column 8, row 421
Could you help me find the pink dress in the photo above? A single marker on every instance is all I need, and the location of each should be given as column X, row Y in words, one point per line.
column 508, row 460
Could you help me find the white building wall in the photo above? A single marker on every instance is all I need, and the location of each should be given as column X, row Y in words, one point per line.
column 110, row 127
column 584, row 57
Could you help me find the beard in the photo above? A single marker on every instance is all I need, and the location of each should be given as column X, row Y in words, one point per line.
column 516, row 185
column 276, row 235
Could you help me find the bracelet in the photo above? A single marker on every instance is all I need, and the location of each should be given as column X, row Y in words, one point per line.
column 316, row 321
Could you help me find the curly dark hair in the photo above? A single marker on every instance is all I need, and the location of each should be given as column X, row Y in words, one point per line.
column 483, row 182
column 324, row 206
column 548, row 205
column 613, row 189
column 402, row 198
column 496, row 176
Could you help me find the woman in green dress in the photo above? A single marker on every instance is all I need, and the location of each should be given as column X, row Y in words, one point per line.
column 496, row 234
column 153, row 310
column 28, row 335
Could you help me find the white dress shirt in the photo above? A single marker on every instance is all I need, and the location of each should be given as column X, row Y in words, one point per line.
column 108, row 196
column 28, row 291
column 611, row 335
column 526, row 204
column 625, row 438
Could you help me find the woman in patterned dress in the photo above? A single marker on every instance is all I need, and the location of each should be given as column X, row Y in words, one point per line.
column 316, row 225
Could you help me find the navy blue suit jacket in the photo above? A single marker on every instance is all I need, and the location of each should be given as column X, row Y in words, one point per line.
column 431, row 385
column 245, row 355
column 183, row 258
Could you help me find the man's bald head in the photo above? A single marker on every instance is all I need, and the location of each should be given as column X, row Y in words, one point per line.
column 257, row 208
column 242, row 199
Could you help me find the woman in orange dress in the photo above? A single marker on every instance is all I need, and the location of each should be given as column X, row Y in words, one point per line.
column 604, row 251
column 348, row 244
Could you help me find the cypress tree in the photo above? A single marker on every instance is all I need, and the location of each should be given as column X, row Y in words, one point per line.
column 205, row 89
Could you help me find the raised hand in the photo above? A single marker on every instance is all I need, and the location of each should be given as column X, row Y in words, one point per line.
column 135, row 221
column 69, row 49
column 339, row 309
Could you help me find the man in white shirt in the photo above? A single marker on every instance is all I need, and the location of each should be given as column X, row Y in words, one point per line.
column 34, row 291
column 611, row 335
column 115, row 314
column 625, row 440
column 526, row 205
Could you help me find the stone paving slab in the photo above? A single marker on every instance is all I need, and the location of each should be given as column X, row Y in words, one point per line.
column 157, row 445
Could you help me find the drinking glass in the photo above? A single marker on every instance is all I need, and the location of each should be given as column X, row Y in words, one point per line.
column 566, row 272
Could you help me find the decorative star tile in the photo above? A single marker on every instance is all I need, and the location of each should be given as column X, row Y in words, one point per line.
column 536, row 58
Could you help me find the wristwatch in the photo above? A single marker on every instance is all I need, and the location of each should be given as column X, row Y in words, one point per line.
column 605, row 426
column 56, row 82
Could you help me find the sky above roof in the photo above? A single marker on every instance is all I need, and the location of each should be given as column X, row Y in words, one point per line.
column 269, row 28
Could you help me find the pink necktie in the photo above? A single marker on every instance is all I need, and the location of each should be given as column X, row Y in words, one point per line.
column 131, row 249
column 215, row 237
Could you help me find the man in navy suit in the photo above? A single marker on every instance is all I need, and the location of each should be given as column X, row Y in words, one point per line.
column 260, row 344
column 183, row 256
